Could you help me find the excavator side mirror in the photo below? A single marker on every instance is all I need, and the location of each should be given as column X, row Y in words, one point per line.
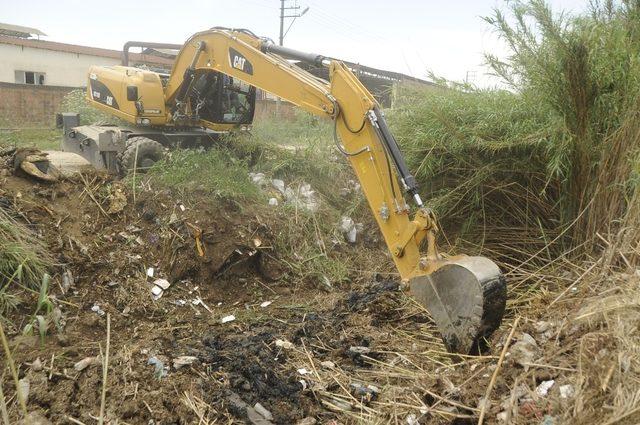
column 132, row 93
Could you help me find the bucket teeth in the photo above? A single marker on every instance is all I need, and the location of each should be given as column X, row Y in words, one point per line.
column 466, row 297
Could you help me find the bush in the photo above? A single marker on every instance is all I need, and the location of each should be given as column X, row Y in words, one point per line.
column 557, row 148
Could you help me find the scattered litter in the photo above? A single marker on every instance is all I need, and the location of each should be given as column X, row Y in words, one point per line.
column 348, row 227
column 227, row 319
column 304, row 384
column 566, row 391
column 156, row 291
column 150, row 272
column 85, row 363
column 180, row 302
column 198, row 301
column 327, row 364
column 337, row 405
column 160, row 370
column 117, row 199
column 263, row 411
column 302, row 197
column 24, row 386
column 162, row 283
column 283, row 343
column 303, row 371
column 544, row 387
column 358, row 349
column 36, row 365
column 525, row 350
column 366, row 393
column 265, row 304
column 273, row 202
column 182, row 361
column 257, row 242
column 257, row 178
column 35, row 418
column 278, row 184
column 96, row 309
column 252, row 415
column 67, row 280
column 182, row 207
column 412, row 419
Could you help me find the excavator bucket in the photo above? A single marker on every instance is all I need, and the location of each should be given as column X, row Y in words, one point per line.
column 466, row 297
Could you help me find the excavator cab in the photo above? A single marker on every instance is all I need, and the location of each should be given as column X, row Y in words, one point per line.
column 219, row 99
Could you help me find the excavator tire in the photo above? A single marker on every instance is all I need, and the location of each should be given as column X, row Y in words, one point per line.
column 149, row 152
column 466, row 297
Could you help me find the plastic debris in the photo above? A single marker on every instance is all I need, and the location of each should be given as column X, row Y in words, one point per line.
column 96, row 309
column 366, row 393
column 85, row 363
column 283, row 343
column 36, row 365
column 303, row 371
column 543, row 389
column 525, row 350
column 358, row 349
column 227, row 319
column 328, row 364
column 348, row 227
column 566, row 391
column 156, row 292
column 24, row 387
column 265, row 304
column 182, row 361
column 150, row 272
column 162, row 283
column 279, row 185
column 263, row 411
column 257, row 178
column 160, row 370
column 412, row 419
column 67, row 280
column 273, row 202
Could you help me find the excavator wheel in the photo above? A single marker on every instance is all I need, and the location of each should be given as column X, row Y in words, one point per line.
column 149, row 152
column 466, row 297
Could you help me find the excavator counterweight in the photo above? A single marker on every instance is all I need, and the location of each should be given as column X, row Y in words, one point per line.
column 212, row 86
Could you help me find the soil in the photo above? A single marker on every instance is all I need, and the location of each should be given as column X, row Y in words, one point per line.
column 109, row 255
column 361, row 352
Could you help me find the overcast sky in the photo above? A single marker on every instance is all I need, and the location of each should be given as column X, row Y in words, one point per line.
column 409, row 36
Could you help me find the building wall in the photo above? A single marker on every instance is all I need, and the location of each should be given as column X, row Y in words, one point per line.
column 61, row 68
column 23, row 105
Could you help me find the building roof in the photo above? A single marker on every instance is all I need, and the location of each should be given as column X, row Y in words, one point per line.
column 19, row 31
column 83, row 50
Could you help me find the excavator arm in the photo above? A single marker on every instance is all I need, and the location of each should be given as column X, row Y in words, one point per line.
column 465, row 295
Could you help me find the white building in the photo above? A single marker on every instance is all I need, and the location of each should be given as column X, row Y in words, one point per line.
column 39, row 62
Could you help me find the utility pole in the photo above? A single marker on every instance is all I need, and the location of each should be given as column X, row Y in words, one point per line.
column 294, row 15
column 281, row 23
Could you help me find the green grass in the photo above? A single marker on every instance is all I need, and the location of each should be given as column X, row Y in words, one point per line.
column 305, row 129
column 24, row 260
column 214, row 172
column 41, row 138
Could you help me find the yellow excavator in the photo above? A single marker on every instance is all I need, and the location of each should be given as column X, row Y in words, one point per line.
column 211, row 90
